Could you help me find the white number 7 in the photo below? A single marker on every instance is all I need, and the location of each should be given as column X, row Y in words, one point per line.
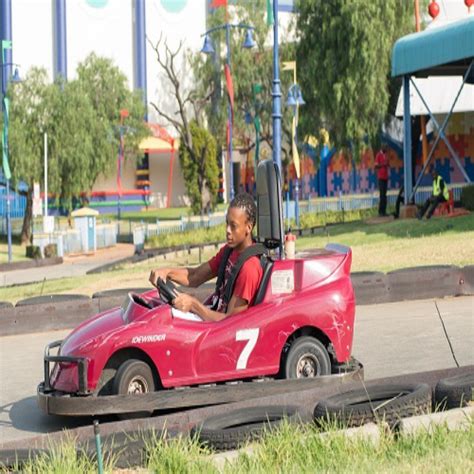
column 250, row 335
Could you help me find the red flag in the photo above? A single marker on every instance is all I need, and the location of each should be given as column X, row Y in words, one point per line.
column 218, row 3
column 119, row 166
column 227, row 137
column 230, row 87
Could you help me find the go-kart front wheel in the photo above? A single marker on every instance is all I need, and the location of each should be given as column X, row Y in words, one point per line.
column 307, row 358
column 133, row 377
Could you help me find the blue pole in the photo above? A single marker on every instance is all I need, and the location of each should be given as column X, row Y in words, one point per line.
column 6, row 34
column 140, row 51
column 276, row 92
column 229, row 113
column 60, row 39
column 407, row 175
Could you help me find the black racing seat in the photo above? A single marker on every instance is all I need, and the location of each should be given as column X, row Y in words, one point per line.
column 269, row 218
column 267, row 264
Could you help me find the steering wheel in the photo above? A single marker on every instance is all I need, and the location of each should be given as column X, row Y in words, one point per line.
column 141, row 301
column 168, row 291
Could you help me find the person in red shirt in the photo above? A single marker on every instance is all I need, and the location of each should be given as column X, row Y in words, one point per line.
column 382, row 166
column 240, row 220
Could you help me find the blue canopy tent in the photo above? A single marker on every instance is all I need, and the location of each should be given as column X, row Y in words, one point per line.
column 442, row 51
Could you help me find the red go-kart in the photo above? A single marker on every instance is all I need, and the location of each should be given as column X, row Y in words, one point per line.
column 301, row 326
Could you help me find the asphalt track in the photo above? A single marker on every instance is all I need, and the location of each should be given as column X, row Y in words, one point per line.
column 390, row 339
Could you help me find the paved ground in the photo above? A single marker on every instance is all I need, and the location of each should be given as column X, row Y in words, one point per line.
column 74, row 265
column 390, row 339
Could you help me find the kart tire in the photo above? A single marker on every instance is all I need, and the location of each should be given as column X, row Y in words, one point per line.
column 44, row 299
column 453, row 392
column 386, row 403
column 233, row 429
column 307, row 356
column 133, row 377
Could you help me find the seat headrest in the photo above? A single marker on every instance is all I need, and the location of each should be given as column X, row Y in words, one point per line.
column 269, row 209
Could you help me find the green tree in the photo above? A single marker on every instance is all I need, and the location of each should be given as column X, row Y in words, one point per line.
column 344, row 52
column 81, row 118
column 30, row 115
column 106, row 88
column 198, row 154
column 200, row 168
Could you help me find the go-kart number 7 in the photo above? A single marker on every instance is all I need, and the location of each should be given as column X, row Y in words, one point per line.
column 250, row 335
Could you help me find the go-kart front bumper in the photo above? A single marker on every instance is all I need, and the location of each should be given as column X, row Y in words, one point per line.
column 81, row 362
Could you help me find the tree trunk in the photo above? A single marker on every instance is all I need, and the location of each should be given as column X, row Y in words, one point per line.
column 26, row 229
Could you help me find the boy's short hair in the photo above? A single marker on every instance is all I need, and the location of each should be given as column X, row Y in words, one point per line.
column 246, row 202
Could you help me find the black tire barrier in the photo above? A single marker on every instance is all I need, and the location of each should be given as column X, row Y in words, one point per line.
column 467, row 286
column 424, row 282
column 370, row 287
column 44, row 299
column 233, row 429
column 453, row 392
column 5, row 304
column 120, row 292
column 386, row 403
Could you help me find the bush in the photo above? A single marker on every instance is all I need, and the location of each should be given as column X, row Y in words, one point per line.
column 51, row 250
column 33, row 251
column 196, row 236
column 313, row 219
column 467, row 197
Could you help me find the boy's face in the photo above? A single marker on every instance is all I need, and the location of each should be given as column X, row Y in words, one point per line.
column 238, row 227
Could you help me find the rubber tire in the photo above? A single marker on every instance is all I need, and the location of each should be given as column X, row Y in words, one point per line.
column 353, row 408
column 122, row 378
column 453, row 392
column 233, row 429
column 44, row 299
column 301, row 346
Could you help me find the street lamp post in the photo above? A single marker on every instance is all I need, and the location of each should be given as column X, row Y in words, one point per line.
column 276, row 92
column 7, row 44
column 209, row 49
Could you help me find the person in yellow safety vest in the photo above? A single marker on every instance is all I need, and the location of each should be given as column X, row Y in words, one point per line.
column 440, row 194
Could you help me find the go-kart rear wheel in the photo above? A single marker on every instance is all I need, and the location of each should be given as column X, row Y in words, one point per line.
column 307, row 358
column 133, row 377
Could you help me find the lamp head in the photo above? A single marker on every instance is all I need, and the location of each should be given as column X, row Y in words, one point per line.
column 299, row 97
column 207, row 47
column 16, row 76
column 290, row 99
column 248, row 42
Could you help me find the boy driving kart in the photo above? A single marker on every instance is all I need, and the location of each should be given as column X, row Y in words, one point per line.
column 240, row 221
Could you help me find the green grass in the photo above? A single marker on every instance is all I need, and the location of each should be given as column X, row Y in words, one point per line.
column 294, row 449
column 302, row 449
column 63, row 458
column 401, row 243
column 18, row 251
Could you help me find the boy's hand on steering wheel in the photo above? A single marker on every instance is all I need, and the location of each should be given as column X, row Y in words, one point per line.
column 184, row 302
column 159, row 273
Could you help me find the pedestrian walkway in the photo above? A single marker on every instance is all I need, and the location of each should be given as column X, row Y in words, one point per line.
column 73, row 265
